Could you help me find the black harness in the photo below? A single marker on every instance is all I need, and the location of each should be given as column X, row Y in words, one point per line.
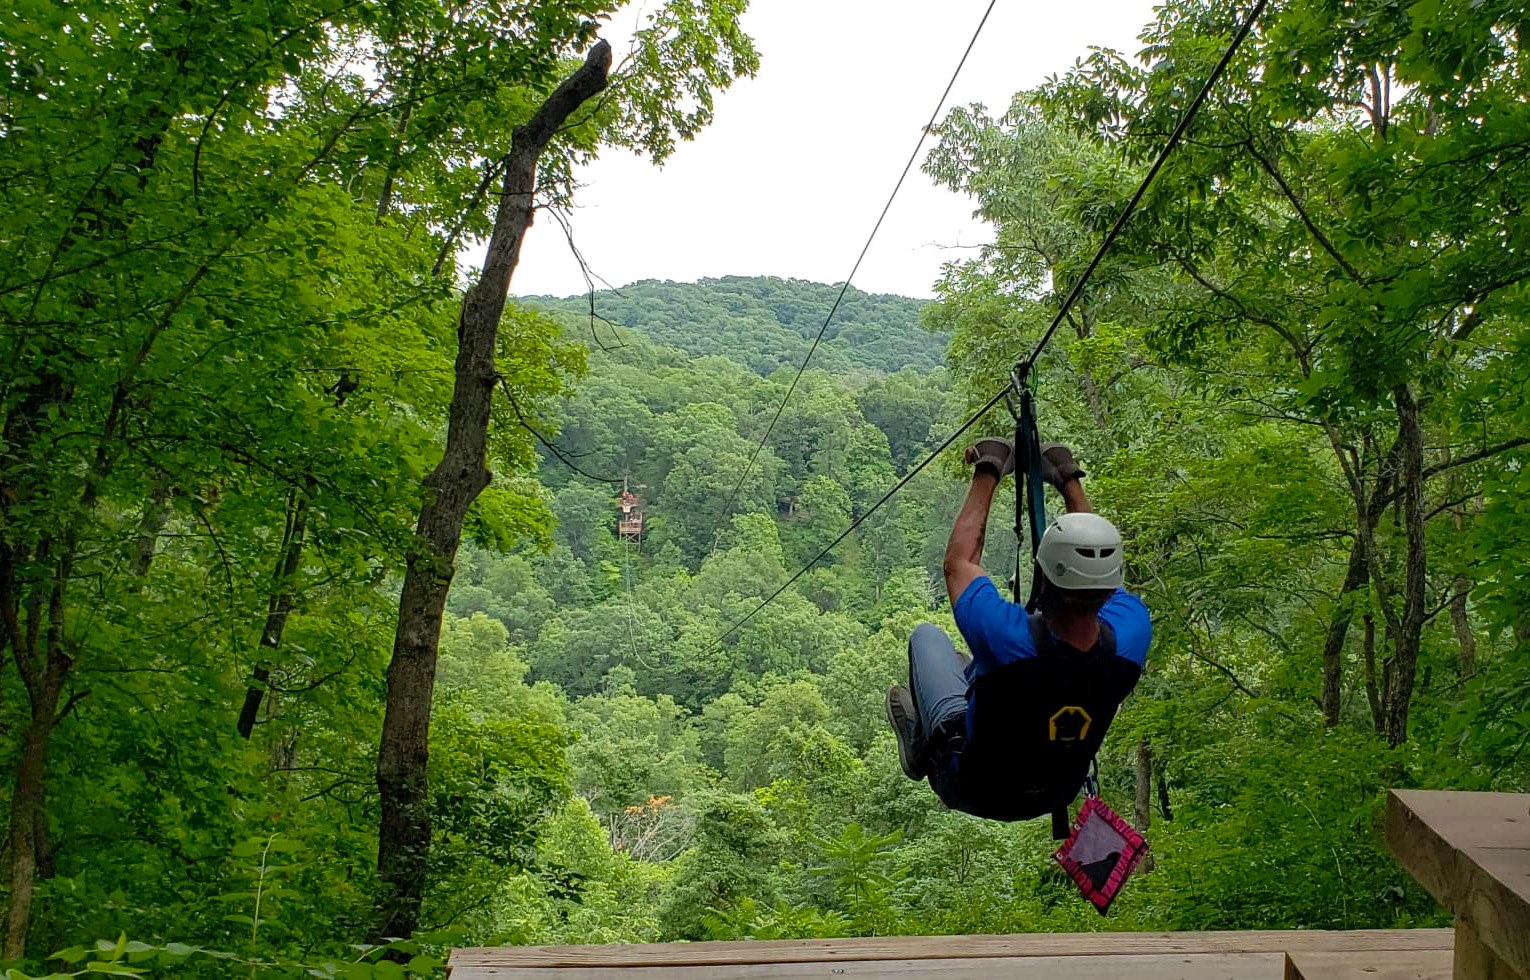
column 1030, row 751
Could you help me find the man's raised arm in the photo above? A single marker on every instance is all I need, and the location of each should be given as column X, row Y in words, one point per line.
column 991, row 459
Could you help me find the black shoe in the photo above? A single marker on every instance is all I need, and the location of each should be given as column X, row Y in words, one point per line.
column 900, row 714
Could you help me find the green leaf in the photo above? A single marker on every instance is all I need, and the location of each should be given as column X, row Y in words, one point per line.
column 72, row 954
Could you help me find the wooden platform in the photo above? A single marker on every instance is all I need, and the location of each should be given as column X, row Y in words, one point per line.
column 1471, row 851
column 1418, row 964
column 1086, row 956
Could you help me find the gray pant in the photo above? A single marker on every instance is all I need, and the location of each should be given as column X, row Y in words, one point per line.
column 937, row 677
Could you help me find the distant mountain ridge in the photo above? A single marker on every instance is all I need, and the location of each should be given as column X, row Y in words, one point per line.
column 766, row 322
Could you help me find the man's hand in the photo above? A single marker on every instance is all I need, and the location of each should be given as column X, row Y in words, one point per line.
column 992, row 454
column 1057, row 465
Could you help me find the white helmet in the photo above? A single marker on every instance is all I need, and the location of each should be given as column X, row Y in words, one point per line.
column 1081, row 551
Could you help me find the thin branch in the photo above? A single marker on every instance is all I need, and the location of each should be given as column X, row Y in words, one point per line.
column 74, row 699
column 1301, row 212
column 562, row 456
column 1226, row 672
column 196, row 156
column 589, row 284
column 490, row 174
column 1481, row 454
column 1449, row 504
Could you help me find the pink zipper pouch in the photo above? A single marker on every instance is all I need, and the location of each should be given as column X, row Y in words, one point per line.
column 1101, row 852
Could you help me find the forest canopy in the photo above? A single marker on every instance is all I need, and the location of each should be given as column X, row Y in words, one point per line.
column 1300, row 385
column 766, row 323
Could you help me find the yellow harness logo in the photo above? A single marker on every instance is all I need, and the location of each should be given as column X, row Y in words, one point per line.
column 1069, row 724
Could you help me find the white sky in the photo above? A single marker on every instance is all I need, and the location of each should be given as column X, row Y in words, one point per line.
column 789, row 178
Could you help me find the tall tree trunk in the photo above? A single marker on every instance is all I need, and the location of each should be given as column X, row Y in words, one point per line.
column 385, row 197
column 1459, row 619
column 403, row 842
column 1143, row 801
column 1408, row 627
column 43, row 666
column 278, row 607
column 1372, row 692
column 26, row 812
column 46, row 868
column 1161, row 779
column 1338, row 629
column 156, row 514
column 1463, row 626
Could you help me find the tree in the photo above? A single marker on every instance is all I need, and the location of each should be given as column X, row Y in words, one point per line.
column 727, row 864
column 191, row 300
column 403, row 843
column 679, row 55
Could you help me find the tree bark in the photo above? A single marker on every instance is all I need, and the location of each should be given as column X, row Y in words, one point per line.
column 404, row 834
column 1338, row 629
column 1372, row 692
column 1161, row 778
column 156, row 514
column 43, row 671
column 1407, row 628
column 1143, row 801
column 1463, row 626
column 278, row 607
column 1459, row 619
column 385, row 197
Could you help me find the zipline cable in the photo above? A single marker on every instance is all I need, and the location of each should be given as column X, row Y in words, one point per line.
column 924, row 133
column 1147, row 181
column 1067, row 305
column 971, row 421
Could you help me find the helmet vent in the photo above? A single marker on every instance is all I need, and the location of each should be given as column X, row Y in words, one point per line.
column 1107, row 552
column 1086, row 552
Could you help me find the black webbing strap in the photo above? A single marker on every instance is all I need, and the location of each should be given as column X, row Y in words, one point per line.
column 1031, row 504
column 1031, row 509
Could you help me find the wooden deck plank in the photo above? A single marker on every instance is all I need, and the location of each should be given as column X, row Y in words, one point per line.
column 1471, row 851
column 1419, row 964
column 1469, row 820
column 1200, row 966
column 1474, row 961
column 670, row 955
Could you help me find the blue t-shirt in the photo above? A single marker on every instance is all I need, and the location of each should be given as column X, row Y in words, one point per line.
column 998, row 631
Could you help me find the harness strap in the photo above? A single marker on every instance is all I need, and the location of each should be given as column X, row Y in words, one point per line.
column 1062, row 826
column 1031, row 509
column 1031, row 505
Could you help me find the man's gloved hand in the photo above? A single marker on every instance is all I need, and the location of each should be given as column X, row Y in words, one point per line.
column 1057, row 465
column 994, row 454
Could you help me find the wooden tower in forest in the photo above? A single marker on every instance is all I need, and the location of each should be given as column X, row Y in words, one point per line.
column 629, row 517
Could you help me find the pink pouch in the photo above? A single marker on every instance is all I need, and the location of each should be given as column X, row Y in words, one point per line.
column 1101, row 852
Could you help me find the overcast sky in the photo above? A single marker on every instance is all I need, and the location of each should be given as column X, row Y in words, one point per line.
column 789, row 178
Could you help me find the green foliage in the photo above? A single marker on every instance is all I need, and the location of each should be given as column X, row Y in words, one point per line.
column 230, row 329
column 766, row 323
column 728, row 864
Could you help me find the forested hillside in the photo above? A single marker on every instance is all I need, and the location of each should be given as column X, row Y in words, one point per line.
column 764, row 323
column 234, row 362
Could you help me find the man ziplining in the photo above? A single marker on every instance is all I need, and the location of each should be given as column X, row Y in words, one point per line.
column 1009, row 733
